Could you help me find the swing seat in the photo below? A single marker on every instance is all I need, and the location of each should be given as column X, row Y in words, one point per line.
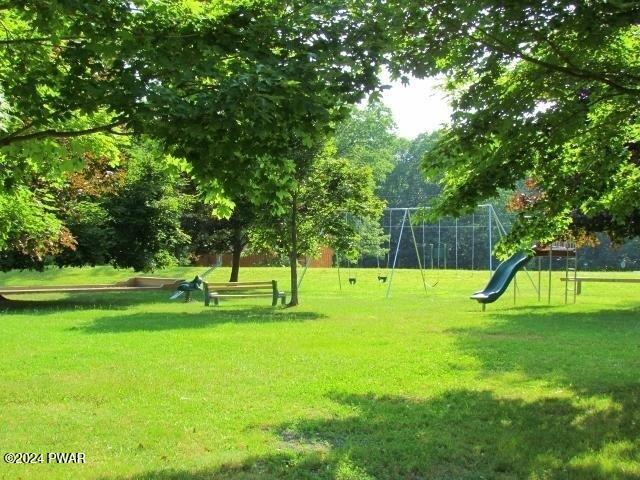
column 382, row 278
column 352, row 280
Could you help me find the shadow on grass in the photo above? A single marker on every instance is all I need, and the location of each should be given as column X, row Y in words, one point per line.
column 587, row 352
column 115, row 301
column 202, row 319
column 462, row 434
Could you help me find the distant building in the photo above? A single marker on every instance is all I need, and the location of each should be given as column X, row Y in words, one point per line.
column 324, row 260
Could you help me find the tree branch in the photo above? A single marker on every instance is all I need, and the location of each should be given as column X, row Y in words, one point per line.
column 569, row 61
column 24, row 128
column 116, row 132
column 14, row 41
column 574, row 72
column 51, row 133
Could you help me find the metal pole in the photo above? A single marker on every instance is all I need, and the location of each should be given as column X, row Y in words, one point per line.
column 389, row 249
column 439, row 243
column 539, row 277
column 445, row 256
column 575, row 277
column 550, row 265
column 566, row 277
column 306, row 266
column 431, row 245
column 424, row 247
column 490, row 244
column 473, row 240
column 415, row 244
column 339, row 278
column 456, row 244
column 395, row 258
column 501, row 230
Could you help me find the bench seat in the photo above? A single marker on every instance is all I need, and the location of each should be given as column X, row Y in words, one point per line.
column 580, row 280
column 216, row 291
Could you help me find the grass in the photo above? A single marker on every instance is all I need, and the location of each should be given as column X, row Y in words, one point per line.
column 349, row 385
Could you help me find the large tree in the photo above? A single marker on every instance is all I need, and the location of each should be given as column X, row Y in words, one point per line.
column 249, row 123
column 234, row 87
column 546, row 90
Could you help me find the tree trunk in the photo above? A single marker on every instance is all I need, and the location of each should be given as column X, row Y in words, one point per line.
column 293, row 252
column 238, row 246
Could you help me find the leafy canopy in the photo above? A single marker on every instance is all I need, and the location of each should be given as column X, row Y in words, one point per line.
column 231, row 86
column 547, row 91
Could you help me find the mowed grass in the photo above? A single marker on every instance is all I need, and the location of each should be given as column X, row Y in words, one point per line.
column 349, row 385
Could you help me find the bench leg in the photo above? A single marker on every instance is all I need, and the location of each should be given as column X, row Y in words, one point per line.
column 216, row 301
column 578, row 287
column 207, row 295
column 283, row 299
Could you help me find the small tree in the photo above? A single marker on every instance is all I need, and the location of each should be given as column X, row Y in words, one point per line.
column 325, row 209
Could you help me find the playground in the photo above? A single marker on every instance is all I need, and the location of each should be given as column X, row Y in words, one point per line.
column 350, row 385
column 354, row 240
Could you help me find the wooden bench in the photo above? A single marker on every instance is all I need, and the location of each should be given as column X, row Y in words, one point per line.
column 579, row 281
column 132, row 284
column 216, row 291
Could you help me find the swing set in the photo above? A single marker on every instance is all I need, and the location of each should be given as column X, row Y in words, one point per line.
column 388, row 275
column 437, row 250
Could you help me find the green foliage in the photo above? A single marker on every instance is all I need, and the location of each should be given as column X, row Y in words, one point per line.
column 91, row 200
column 234, row 87
column 32, row 178
column 207, row 232
column 334, row 200
column 145, row 213
column 95, row 237
column 367, row 138
column 546, row 90
column 406, row 186
column 59, row 63
column 29, row 229
column 292, row 73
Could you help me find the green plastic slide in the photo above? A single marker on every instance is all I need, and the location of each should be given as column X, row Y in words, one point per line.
column 502, row 278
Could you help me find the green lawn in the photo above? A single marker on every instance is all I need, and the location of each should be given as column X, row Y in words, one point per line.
column 349, row 385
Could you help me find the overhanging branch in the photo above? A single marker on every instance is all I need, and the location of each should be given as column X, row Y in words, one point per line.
column 570, row 69
column 52, row 133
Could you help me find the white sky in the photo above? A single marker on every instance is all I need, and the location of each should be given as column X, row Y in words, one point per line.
column 418, row 107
